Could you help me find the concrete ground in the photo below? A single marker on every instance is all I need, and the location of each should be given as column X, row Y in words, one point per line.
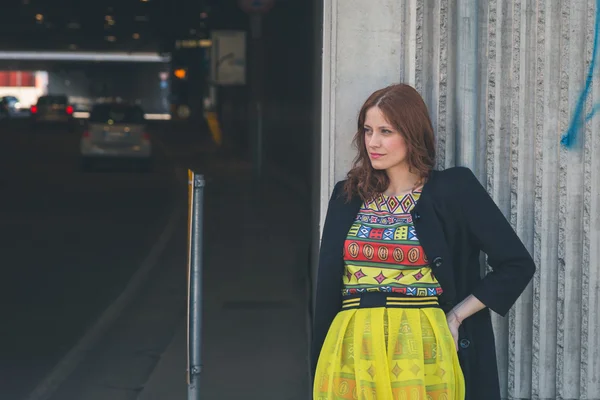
column 255, row 319
column 94, row 275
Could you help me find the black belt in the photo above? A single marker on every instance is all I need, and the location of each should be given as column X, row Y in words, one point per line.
column 388, row 300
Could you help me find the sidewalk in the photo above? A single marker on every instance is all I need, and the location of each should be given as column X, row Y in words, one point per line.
column 255, row 334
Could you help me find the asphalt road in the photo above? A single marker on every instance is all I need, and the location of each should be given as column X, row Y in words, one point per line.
column 69, row 243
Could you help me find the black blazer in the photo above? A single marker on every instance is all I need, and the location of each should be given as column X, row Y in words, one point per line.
column 455, row 219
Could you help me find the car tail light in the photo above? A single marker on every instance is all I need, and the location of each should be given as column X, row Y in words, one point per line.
column 69, row 110
column 33, row 109
column 145, row 136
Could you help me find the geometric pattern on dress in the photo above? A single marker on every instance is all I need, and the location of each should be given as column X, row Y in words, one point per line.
column 388, row 234
column 412, row 233
column 376, row 234
column 401, row 233
column 392, row 203
column 382, row 251
column 406, row 291
column 364, row 231
column 393, row 254
column 408, row 202
column 415, row 360
column 385, row 219
column 384, row 273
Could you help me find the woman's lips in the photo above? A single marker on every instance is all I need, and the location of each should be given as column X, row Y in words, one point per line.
column 376, row 155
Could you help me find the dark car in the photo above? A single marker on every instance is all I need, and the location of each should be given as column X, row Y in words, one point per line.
column 52, row 109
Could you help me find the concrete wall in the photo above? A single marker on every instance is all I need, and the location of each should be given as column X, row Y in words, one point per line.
column 504, row 81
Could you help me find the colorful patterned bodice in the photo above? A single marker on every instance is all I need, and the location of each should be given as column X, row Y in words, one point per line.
column 382, row 252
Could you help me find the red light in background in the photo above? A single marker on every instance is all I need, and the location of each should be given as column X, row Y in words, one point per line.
column 69, row 110
column 86, row 134
column 33, row 109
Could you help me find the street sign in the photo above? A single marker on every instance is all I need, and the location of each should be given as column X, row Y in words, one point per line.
column 256, row 6
column 228, row 60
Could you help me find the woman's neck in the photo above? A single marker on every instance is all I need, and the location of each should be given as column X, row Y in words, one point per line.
column 401, row 180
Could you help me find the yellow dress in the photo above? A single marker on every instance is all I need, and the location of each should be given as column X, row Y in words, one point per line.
column 391, row 340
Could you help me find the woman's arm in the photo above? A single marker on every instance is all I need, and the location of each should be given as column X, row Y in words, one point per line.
column 511, row 263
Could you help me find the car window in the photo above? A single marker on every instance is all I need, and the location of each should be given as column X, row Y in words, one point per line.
column 117, row 114
column 46, row 100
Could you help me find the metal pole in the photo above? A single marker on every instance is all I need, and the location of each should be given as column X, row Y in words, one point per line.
column 196, row 187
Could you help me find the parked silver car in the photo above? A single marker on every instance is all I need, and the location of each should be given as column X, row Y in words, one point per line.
column 116, row 131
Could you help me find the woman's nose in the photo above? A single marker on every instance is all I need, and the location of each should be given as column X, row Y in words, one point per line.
column 374, row 141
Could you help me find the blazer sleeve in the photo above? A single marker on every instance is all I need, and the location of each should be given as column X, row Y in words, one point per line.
column 329, row 282
column 511, row 263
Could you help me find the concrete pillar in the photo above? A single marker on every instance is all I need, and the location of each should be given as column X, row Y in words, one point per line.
column 360, row 52
column 504, row 80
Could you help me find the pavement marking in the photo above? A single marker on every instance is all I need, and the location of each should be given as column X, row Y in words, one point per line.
column 61, row 371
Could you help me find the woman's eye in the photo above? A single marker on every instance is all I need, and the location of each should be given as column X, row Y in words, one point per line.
column 386, row 131
column 367, row 131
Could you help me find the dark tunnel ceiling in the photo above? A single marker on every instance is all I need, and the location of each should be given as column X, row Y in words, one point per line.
column 104, row 25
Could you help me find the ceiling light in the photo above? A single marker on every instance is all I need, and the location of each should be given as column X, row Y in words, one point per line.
column 136, row 36
column 39, row 17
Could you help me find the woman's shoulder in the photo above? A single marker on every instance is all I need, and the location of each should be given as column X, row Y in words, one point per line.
column 451, row 182
column 453, row 173
column 452, row 176
column 338, row 189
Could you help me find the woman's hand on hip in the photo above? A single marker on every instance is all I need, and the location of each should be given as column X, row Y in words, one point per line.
column 453, row 324
column 469, row 306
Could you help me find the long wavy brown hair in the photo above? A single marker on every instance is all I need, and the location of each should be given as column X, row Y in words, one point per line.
column 406, row 111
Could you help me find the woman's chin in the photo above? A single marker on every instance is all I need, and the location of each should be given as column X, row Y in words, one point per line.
column 377, row 165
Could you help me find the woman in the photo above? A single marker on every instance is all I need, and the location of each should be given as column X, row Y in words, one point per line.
column 401, row 309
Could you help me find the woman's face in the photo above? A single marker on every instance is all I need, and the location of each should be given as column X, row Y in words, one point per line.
column 385, row 145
